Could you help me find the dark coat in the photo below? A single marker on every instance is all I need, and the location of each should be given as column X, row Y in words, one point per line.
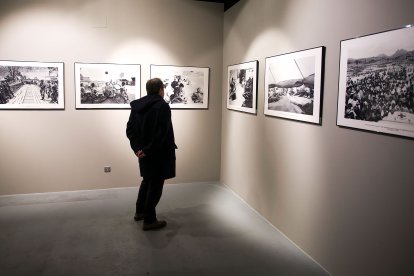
column 150, row 129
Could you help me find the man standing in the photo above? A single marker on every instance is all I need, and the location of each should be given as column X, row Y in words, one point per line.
column 151, row 135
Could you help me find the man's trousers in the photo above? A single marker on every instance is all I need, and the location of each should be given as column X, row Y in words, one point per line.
column 149, row 195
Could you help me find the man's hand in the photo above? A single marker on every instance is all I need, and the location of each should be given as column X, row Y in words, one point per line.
column 140, row 154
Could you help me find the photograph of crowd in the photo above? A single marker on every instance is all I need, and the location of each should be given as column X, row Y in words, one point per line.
column 376, row 82
column 31, row 85
column 106, row 85
column 184, row 87
column 293, row 85
column 242, row 87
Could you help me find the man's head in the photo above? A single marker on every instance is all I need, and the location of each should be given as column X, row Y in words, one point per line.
column 155, row 86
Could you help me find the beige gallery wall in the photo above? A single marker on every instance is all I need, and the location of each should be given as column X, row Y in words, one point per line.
column 45, row 150
column 344, row 196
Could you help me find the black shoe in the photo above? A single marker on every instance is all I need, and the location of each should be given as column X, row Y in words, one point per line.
column 138, row 217
column 154, row 225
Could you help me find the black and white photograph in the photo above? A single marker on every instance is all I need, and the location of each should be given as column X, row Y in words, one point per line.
column 31, row 85
column 242, row 87
column 376, row 82
column 293, row 85
column 106, row 85
column 185, row 87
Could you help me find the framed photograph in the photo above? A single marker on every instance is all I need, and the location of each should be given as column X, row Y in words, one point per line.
column 376, row 79
column 185, row 87
column 242, row 87
column 293, row 85
column 106, row 85
column 31, row 85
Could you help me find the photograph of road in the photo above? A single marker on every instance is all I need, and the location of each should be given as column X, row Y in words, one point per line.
column 106, row 85
column 31, row 85
column 293, row 85
column 377, row 81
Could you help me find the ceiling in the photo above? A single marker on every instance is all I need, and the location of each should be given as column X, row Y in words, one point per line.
column 227, row 3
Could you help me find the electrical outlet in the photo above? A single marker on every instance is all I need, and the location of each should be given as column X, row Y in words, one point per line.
column 107, row 169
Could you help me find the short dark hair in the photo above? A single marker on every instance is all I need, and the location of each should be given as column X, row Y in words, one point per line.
column 153, row 86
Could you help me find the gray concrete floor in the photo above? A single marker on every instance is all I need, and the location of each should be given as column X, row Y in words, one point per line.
column 210, row 231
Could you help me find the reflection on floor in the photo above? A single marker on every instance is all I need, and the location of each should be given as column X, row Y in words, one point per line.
column 209, row 232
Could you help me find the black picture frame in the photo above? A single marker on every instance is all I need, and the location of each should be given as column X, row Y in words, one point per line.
column 31, row 85
column 294, row 85
column 242, row 81
column 186, row 87
column 376, row 82
column 106, row 85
